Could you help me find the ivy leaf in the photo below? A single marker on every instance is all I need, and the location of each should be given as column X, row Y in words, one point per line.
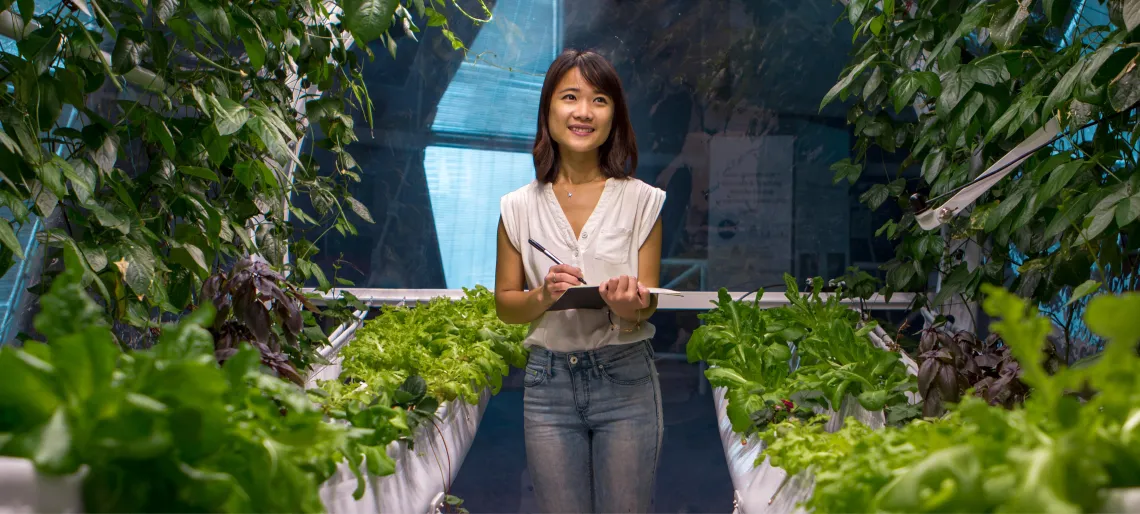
column 360, row 209
column 229, row 116
column 200, row 172
column 1083, row 290
column 367, row 20
column 9, row 239
column 1124, row 92
column 845, row 82
column 1008, row 22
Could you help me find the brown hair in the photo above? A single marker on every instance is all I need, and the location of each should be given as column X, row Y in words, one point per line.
column 618, row 155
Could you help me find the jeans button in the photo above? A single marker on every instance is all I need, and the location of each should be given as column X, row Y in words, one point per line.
column 573, row 360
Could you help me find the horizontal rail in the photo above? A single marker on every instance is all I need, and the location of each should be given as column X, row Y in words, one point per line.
column 691, row 300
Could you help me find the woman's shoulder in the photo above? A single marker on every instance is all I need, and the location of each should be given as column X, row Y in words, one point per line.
column 524, row 194
column 642, row 189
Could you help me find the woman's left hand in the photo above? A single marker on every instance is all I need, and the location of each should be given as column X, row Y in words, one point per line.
column 625, row 295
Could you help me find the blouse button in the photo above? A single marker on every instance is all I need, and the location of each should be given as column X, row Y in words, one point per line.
column 575, row 253
column 585, row 235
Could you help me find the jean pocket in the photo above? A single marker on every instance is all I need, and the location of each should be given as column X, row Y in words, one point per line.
column 535, row 375
column 633, row 369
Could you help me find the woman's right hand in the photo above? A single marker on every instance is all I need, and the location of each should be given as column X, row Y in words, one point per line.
column 559, row 278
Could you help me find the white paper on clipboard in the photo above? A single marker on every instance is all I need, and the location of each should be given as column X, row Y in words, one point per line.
column 933, row 218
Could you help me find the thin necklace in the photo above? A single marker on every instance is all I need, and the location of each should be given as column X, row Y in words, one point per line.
column 569, row 193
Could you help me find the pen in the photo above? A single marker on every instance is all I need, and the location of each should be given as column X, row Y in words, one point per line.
column 552, row 257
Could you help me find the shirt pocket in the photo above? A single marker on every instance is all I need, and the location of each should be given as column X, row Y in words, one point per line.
column 614, row 244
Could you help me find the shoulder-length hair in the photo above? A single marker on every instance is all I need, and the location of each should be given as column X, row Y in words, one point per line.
column 618, row 155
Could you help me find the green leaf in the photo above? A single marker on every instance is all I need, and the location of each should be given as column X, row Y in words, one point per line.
column 1058, row 179
column 933, row 164
column 1124, row 92
column 855, row 11
column 182, row 30
column 136, row 265
column 845, row 82
column 108, row 219
column 875, row 196
column 245, row 173
column 1083, row 290
column 255, row 46
column 1064, row 88
column 1114, row 317
column 158, row 131
column 229, row 116
column 1130, row 9
column 271, row 138
column 197, row 171
column 955, row 85
column 378, row 462
column 1008, row 22
column 54, row 445
column 903, row 90
column 367, row 20
column 127, row 52
column 953, row 284
column 1056, row 10
column 1128, row 210
column 214, row 17
column 190, row 256
column 845, row 169
column 360, row 209
column 165, row 9
column 989, row 70
column 9, row 239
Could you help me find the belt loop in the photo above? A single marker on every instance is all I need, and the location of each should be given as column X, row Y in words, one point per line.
column 549, row 363
column 649, row 348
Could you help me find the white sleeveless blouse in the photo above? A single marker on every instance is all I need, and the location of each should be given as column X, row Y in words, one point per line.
column 606, row 248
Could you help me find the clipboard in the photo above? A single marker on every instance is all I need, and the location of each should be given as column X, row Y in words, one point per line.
column 589, row 297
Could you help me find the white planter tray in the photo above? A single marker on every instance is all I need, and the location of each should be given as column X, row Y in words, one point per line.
column 423, row 476
column 23, row 490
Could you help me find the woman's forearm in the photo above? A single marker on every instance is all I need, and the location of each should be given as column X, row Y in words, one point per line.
column 519, row 307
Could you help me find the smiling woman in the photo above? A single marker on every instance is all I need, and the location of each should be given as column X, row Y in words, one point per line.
column 592, row 401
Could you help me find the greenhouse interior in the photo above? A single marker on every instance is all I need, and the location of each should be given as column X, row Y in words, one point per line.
column 790, row 256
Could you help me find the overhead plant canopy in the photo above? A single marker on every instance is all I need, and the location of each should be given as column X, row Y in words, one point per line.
column 161, row 139
column 955, row 84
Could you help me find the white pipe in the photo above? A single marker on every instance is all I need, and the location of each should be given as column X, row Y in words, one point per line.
column 689, row 300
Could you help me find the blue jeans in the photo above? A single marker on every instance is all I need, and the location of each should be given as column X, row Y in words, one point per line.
column 593, row 428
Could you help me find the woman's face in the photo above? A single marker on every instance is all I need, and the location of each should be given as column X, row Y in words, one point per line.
column 580, row 116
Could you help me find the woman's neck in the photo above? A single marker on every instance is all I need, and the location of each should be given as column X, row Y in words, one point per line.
column 579, row 168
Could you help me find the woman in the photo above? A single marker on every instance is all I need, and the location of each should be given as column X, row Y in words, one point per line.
column 592, row 406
